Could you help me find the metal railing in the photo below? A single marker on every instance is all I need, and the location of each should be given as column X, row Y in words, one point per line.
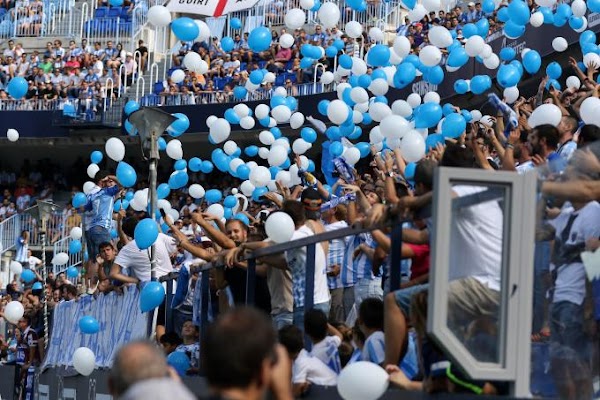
column 62, row 246
column 9, row 232
column 180, row 99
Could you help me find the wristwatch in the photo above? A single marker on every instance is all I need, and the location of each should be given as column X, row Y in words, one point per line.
column 390, row 174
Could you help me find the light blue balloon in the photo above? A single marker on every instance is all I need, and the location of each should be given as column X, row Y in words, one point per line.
column 503, row 14
column 37, row 286
column 435, row 75
column 195, row 164
column 96, row 156
column 453, row 125
column 469, row 30
column 178, row 180
column 72, row 272
column 322, row 107
column 548, row 15
column 126, row 174
column 243, row 218
column 483, row 27
column 180, row 165
column 461, row 86
column 553, row 70
column 152, row 296
column 230, row 201
column 74, row 246
column 258, row 193
column 235, row 23
column 27, row 275
column 89, row 325
column 179, row 126
column 364, row 148
column 207, row 167
column 409, row 170
column 336, row 149
column 146, row 233
column 513, row 30
column 231, row 116
column 432, row 140
column 162, row 144
column 345, row 61
column 180, row 362
column 308, row 134
column 429, row 115
column 364, row 81
column 532, row 61
column 239, row 93
column 257, row 76
column 79, row 200
column 409, row 4
column 405, row 75
column 458, row 57
column 185, row 29
column 507, row 54
column 259, row 39
column 488, row 6
column 508, row 76
column 331, row 51
column 213, row 196
column 519, row 12
column 251, row 151
column 379, row 55
column 480, row 83
column 162, row 191
column 17, row 87
column 243, row 171
column 594, row 5
column 227, row 44
column 575, row 22
column 131, row 106
column 587, row 36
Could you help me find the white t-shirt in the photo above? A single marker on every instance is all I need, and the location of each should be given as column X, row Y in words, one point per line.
column 327, row 351
column 138, row 261
column 33, row 262
column 308, row 368
column 374, row 349
column 570, row 279
column 476, row 240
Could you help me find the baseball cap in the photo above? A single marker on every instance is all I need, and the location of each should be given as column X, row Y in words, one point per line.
column 311, row 200
column 471, row 4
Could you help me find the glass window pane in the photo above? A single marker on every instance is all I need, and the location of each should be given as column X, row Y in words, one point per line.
column 476, row 259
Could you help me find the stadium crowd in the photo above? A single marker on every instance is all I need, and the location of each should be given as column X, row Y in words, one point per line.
column 355, row 316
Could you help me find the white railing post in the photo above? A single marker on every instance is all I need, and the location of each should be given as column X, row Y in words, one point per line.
column 122, row 76
column 109, row 84
column 153, row 77
column 317, row 66
column 84, row 12
column 141, row 82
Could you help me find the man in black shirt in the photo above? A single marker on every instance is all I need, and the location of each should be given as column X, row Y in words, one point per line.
column 143, row 51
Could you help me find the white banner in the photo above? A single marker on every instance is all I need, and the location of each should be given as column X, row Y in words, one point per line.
column 211, row 8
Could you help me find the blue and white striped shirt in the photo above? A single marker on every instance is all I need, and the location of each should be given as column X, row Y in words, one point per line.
column 101, row 204
column 327, row 351
column 374, row 350
column 337, row 250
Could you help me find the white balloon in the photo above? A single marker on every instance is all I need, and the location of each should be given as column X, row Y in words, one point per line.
column 432, row 5
column 260, row 176
column 115, row 149
column 394, row 126
column 362, row 380
column 579, row 8
column 173, row 214
column 294, row 19
column 474, row 45
column 174, row 149
column 261, row 111
column 220, row 130
column 307, row 4
column 379, row 111
column 296, row 120
column 417, row 13
column 230, row 147
column 413, row 146
column 452, row 69
column 263, row 153
column 76, row 233
column 362, row 107
column 402, row 108
column 92, row 170
column 159, row 16
column 537, row 19
column 545, row 114
column 88, row 186
column 414, row 100
column 492, row 62
column 327, row 77
column 283, row 177
column 329, row 14
column 280, row 91
column 277, row 156
column 216, row 210
column 16, row 267
column 341, row 88
column 379, row 87
column 573, row 82
column 84, row 361
column 266, row 138
column 337, row 112
column 430, row 56
column 210, row 120
column 284, row 142
column 375, row 136
column 286, row 40
column 247, row 122
column 196, row 191
column 247, row 188
column 376, row 34
column 352, row 155
column 192, row 61
column 359, row 95
column 591, row 58
column 178, row 76
column 359, row 66
column 354, row 29
column 60, row 259
column 590, row 111
column 279, row 227
column 241, row 110
column 560, row 44
column 300, row 146
column 431, row 97
column 511, row 94
column 395, row 59
column 203, row 31
column 14, row 311
column 281, row 113
column 401, row 46
column 476, row 115
column 583, row 27
column 12, row 135
column 164, row 204
column 486, row 52
column 440, row 37
column 235, row 163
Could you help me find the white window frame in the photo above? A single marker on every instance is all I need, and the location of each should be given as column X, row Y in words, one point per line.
column 517, row 275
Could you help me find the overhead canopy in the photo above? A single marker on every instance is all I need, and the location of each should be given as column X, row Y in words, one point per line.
column 211, row 8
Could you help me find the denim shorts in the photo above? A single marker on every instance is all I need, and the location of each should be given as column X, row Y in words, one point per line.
column 95, row 236
column 403, row 296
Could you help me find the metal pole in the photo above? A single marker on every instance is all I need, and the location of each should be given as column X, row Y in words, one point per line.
column 44, row 277
column 153, row 200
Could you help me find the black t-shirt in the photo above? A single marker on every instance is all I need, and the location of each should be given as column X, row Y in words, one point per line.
column 236, row 277
column 142, row 49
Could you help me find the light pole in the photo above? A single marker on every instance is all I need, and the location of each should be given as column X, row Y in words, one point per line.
column 150, row 124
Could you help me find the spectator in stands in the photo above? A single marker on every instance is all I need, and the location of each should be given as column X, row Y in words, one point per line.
column 325, row 339
column 265, row 363
column 142, row 57
column 190, row 346
column 22, row 246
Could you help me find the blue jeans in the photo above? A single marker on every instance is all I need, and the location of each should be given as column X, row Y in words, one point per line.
column 282, row 319
column 541, row 268
column 95, row 236
column 299, row 313
column 366, row 288
column 566, row 327
column 403, row 296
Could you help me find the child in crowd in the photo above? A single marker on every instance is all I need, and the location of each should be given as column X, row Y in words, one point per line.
column 191, row 346
column 170, row 341
column 306, row 368
column 324, row 347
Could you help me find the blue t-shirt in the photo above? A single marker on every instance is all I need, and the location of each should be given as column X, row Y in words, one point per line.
column 101, row 205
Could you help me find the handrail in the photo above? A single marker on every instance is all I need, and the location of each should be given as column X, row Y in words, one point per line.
column 84, row 17
column 122, row 74
column 141, row 82
column 152, row 76
column 109, row 84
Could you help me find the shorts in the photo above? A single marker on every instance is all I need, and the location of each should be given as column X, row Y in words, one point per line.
column 404, row 296
column 95, row 236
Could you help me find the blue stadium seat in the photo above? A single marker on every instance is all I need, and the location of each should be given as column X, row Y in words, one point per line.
column 243, row 66
column 125, row 15
column 158, row 87
column 261, row 64
column 114, row 12
column 279, row 80
column 290, row 76
column 219, row 83
column 288, row 65
column 100, row 12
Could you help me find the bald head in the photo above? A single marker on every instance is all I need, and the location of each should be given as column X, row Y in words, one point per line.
column 134, row 362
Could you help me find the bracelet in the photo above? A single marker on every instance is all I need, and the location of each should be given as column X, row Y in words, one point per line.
column 509, row 146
